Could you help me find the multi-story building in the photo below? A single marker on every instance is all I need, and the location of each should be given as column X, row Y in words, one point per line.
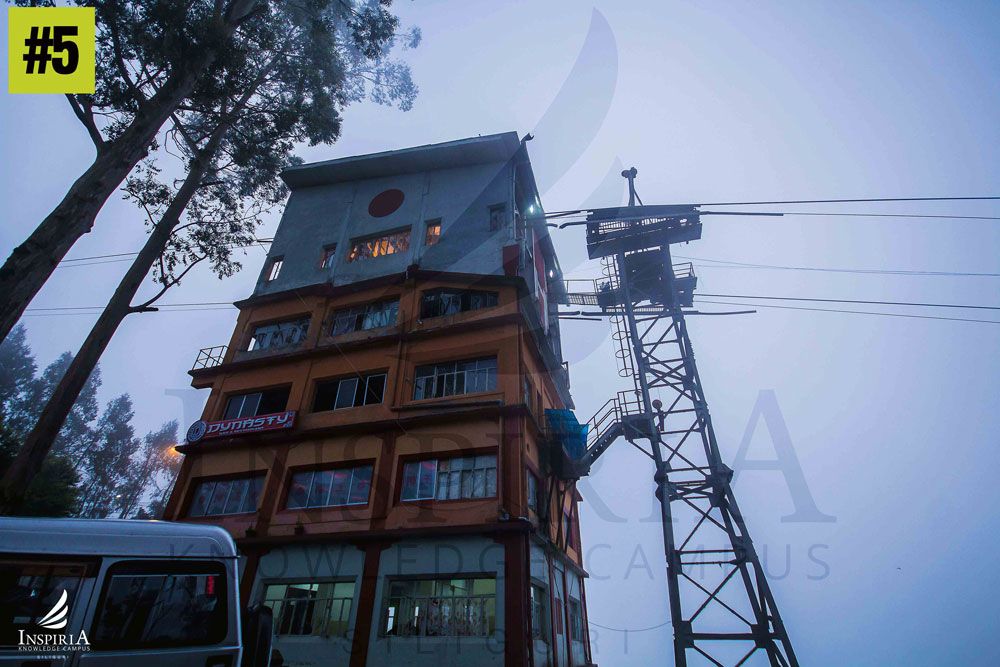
column 375, row 435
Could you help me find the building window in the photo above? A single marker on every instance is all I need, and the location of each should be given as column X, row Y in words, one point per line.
column 256, row 403
column 275, row 268
column 438, row 303
column 575, row 621
column 539, row 613
column 532, row 484
column 330, row 487
column 279, row 335
column 498, row 217
column 349, row 392
column 378, row 246
column 310, row 609
column 455, row 377
column 440, row 608
column 328, row 257
column 215, row 497
column 369, row 316
column 432, row 232
column 450, row 479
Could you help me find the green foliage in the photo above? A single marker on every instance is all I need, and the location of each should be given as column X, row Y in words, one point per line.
column 97, row 467
column 284, row 80
column 53, row 492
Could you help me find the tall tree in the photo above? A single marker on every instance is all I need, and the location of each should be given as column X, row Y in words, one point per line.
column 150, row 56
column 108, row 459
column 54, row 492
column 154, row 458
column 287, row 85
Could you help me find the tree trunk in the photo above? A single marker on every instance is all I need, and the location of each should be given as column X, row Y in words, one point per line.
column 31, row 264
column 37, row 444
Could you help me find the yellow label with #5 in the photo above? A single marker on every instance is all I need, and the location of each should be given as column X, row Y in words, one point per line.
column 50, row 49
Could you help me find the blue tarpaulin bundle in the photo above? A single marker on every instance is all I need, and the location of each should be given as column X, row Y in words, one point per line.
column 571, row 433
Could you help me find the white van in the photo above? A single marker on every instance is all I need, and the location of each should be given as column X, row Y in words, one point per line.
column 97, row 593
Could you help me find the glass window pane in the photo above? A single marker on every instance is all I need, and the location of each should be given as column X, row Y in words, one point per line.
column 320, row 490
column 341, row 486
column 361, row 484
column 199, row 504
column 428, row 471
column 346, row 392
column 236, row 494
column 160, row 610
column 252, row 497
column 411, row 473
column 298, row 490
column 218, row 501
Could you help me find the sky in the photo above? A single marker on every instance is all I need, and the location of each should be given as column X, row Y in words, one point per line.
column 893, row 421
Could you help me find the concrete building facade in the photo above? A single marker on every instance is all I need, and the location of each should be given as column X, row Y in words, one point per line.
column 375, row 434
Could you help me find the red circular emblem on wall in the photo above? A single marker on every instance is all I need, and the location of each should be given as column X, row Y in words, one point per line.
column 385, row 203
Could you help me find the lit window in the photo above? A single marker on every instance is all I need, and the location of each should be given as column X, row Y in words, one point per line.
column 498, row 217
column 330, row 487
column 307, row 608
column 455, row 377
column 433, row 232
column 463, row 607
column 378, row 246
column 449, row 302
column 450, row 479
column 361, row 318
column 255, row 403
column 278, row 335
column 329, row 256
column 539, row 613
column 275, row 269
column 215, row 497
column 349, row 392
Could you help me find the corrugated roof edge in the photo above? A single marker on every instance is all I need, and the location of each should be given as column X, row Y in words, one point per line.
column 471, row 150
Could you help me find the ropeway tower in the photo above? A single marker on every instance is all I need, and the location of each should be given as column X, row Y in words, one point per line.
column 721, row 606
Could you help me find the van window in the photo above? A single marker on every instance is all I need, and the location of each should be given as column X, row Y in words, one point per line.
column 30, row 591
column 167, row 604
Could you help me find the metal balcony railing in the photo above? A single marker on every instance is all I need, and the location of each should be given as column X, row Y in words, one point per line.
column 611, row 413
column 209, row 357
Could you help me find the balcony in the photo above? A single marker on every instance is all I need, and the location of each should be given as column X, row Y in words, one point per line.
column 210, row 357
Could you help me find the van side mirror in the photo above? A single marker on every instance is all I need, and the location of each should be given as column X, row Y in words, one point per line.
column 258, row 625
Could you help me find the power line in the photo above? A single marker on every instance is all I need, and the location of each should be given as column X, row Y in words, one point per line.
column 848, row 201
column 853, row 215
column 857, row 301
column 854, row 312
column 133, row 254
column 747, row 265
column 560, row 214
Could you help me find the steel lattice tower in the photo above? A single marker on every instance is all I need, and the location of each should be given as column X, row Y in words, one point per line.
column 721, row 607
